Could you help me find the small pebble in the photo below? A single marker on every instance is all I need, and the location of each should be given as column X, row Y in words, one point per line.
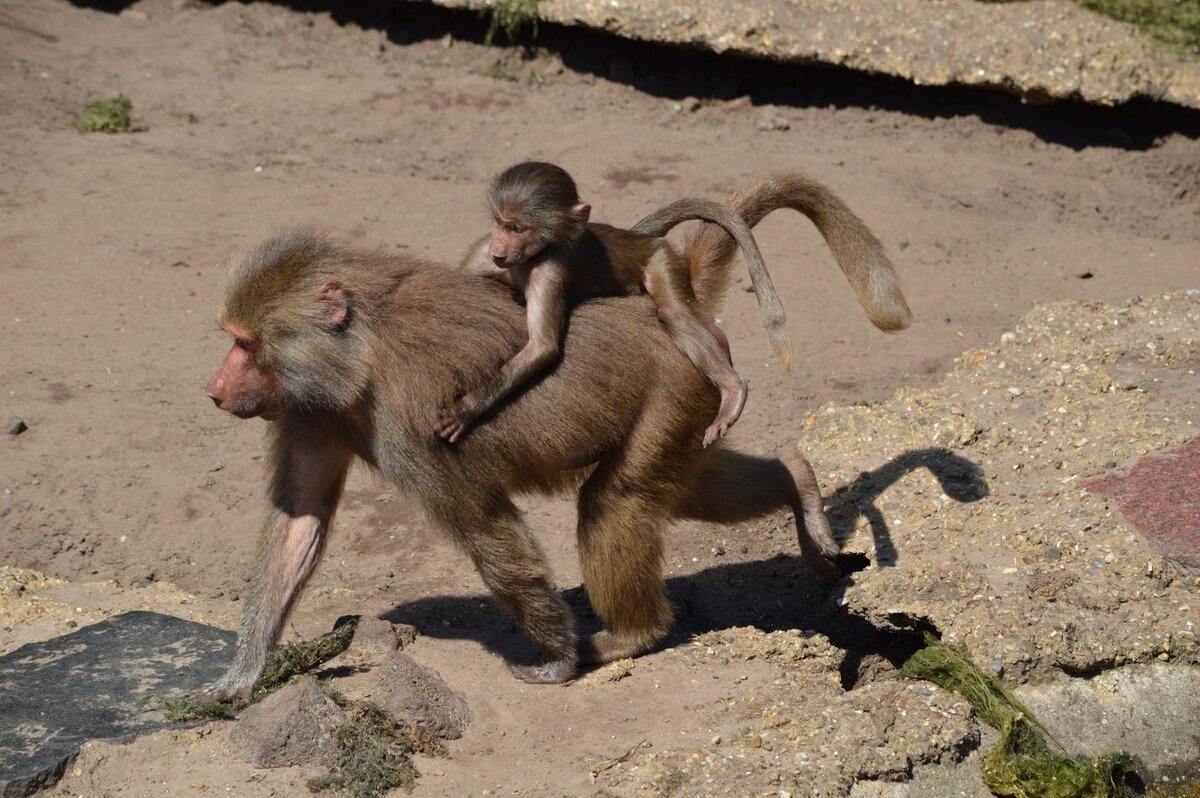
column 16, row 426
column 772, row 123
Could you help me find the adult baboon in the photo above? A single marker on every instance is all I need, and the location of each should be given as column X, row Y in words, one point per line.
column 351, row 353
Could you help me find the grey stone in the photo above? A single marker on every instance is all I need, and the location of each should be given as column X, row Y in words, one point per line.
column 294, row 726
column 771, row 122
column 92, row 685
column 1149, row 710
column 415, row 694
column 374, row 636
column 16, row 426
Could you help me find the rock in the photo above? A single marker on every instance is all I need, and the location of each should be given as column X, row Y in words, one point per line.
column 16, row 426
column 1148, row 710
column 1036, row 50
column 771, row 122
column 87, row 685
column 375, row 638
column 294, row 726
column 415, row 694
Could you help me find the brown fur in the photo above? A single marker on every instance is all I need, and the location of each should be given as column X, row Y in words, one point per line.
column 710, row 250
column 543, row 247
column 620, row 418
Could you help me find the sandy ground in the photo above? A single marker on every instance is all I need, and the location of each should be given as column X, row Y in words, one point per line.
column 112, row 248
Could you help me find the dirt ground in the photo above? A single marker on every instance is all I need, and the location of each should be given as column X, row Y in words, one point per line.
column 251, row 118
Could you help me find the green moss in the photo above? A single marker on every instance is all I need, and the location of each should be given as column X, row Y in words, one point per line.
column 294, row 659
column 374, row 749
column 499, row 71
column 106, row 116
column 283, row 664
column 513, row 18
column 374, row 755
column 179, row 710
column 1021, row 765
column 1173, row 22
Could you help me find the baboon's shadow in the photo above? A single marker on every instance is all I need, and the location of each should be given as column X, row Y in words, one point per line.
column 774, row 594
column 959, row 478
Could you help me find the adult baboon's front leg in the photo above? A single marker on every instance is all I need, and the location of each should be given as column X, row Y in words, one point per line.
column 307, row 484
column 513, row 567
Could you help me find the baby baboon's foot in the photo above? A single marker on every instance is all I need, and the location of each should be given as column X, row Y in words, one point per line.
column 733, row 400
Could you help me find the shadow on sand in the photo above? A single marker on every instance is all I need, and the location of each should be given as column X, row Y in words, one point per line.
column 774, row 594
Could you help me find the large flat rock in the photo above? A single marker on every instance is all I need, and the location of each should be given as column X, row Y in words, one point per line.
column 1042, row 49
column 92, row 685
column 973, row 500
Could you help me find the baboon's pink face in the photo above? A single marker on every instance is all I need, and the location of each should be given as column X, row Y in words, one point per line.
column 242, row 385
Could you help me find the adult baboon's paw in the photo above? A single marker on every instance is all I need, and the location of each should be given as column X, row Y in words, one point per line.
column 219, row 691
column 554, row 672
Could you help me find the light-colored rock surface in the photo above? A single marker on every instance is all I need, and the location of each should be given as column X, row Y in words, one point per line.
column 1045, row 48
column 968, row 498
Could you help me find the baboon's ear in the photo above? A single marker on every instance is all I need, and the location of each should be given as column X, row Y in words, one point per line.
column 335, row 306
column 582, row 212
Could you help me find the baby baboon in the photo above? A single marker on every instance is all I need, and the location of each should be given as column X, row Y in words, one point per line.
column 543, row 246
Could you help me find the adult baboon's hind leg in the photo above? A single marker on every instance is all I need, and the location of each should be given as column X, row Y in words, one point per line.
column 620, row 548
column 732, row 487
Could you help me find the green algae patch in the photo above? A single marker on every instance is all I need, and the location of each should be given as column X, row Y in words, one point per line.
column 1022, row 764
